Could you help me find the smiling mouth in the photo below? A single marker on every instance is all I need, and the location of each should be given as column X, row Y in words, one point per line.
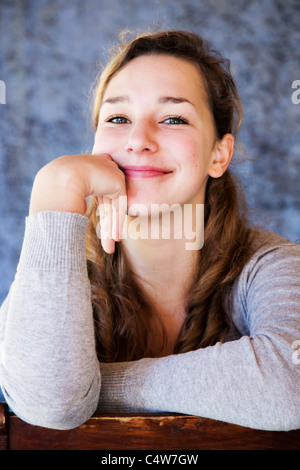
column 144, row 171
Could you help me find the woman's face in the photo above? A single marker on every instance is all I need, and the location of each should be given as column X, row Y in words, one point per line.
column 156, row 124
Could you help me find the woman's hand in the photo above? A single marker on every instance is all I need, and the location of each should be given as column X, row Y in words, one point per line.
column 63, row 184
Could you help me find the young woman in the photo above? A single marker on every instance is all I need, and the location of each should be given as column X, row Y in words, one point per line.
column 101, row 318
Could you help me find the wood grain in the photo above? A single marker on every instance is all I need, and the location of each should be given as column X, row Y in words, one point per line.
column 149, row 431
column 3, row 427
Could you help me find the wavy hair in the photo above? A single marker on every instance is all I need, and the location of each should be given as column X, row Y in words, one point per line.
column 122, row 313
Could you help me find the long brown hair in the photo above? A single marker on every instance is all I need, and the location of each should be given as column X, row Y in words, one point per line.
column 123, row 316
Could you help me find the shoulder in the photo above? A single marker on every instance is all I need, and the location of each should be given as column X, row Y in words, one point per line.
column 269, row 282
column 271, row 252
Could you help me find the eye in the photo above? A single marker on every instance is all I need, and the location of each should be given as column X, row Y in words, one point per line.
column 175, row 120
column 118, row 120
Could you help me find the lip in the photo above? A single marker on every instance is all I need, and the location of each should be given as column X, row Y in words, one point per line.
column 145, row 171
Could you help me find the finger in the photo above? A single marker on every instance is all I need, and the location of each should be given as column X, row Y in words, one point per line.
column 108, row 245
column 107, row 242
column 102, row 229
column 106, row 221
column 108, row 216
column 119, row 209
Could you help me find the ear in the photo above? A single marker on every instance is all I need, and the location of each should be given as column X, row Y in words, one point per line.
column 221, row 156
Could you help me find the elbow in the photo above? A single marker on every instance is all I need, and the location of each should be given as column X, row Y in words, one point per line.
column 291, row 411
column 55, row 417
column 62, row 419
column 284, row 407
column 55, row 411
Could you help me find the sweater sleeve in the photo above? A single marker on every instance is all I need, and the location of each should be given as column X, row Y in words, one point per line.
column 253, row 381
column 49, row 370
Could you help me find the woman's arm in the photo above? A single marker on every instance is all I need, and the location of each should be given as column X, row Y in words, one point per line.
column 252, row 381
column 49, row 369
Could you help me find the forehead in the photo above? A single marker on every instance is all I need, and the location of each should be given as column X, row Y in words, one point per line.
column 158, row 73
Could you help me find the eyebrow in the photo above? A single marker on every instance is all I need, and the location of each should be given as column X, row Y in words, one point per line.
column 116, row 99
column 162, row 100
column 174, row 99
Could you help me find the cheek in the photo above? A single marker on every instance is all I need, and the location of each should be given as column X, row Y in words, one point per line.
column 105, row 141
column 190, row 156
column 196, row 156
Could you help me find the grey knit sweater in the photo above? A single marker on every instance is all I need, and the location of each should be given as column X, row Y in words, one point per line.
column 50, row 375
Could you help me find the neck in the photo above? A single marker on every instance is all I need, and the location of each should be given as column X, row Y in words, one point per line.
column 164, row 265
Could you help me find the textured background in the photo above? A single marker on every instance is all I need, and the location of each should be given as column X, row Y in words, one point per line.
column 51, row 50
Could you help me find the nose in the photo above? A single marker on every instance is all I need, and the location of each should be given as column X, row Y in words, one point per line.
column 141, row 138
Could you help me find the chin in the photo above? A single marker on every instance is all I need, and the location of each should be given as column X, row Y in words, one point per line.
column 138, row 209
column 151, row 209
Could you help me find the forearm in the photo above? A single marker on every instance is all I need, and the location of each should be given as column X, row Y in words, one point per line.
column 222, row 382
column 50, row 372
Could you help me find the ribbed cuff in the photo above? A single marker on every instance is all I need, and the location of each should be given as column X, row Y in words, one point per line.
column 112, row 398
column 54, row 241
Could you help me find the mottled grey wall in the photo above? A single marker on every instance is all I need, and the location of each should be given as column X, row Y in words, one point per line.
column 49, row 50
